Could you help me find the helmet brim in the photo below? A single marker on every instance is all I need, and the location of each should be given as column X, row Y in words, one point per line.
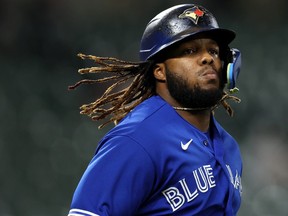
column 222, row 36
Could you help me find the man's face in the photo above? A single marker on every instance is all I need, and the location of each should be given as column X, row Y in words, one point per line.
column 193, row 73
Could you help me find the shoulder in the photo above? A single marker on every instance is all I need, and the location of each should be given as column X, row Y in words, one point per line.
column 228, row 143
column 145, row 128
column 230, row 146
column 147, row 118
column 225, row 135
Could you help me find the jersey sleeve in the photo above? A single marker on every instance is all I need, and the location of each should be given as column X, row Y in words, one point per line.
column 117, row 180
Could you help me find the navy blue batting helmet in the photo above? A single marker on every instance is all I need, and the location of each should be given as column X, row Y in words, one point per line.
column 178, row 23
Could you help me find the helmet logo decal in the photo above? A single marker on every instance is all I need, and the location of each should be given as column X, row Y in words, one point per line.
column 192, row 13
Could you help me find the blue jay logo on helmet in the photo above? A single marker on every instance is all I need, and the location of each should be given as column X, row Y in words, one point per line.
column 177, row 23
column 192, row 14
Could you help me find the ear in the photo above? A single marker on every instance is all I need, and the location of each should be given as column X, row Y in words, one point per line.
column 160, row 72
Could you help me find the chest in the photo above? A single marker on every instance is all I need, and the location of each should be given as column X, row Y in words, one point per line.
column 195, row 175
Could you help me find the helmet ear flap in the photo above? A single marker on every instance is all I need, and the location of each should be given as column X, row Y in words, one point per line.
column 231, row 68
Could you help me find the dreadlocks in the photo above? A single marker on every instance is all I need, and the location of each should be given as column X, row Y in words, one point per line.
column 118, row 104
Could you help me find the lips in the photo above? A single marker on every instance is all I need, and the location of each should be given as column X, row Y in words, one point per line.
column 210, row 73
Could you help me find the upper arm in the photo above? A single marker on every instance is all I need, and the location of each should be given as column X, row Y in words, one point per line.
column 117, row 180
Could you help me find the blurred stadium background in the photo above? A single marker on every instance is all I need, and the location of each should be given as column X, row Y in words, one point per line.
column 45, row 144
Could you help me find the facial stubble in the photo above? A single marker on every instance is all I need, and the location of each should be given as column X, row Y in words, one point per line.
column 192, row 96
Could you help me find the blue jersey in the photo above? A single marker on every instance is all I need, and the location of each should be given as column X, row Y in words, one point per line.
column 156, row 163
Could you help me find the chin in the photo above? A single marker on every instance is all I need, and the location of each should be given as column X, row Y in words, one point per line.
column 211, row 87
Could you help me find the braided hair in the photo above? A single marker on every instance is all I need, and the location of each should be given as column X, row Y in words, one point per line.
column 116, row 104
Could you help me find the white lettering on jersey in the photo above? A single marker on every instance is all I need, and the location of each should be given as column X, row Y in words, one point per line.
column 209, row 174
column 174, row 198
column 204, row 179
column 235, row 181
column 189, row 196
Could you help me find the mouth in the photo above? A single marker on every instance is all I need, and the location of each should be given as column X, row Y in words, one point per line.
column 210, row 74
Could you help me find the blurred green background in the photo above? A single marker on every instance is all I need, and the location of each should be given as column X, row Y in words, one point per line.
column 45, row 145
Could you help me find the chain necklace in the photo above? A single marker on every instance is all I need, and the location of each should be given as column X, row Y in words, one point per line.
column 190, row 109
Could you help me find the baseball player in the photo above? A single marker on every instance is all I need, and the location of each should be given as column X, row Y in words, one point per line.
column 167, row 154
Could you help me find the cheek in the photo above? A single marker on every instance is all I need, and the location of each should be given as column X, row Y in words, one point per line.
column 219, row 64
column 187, row 69
column 187, row 74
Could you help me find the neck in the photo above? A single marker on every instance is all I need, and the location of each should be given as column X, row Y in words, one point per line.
column 198, row 118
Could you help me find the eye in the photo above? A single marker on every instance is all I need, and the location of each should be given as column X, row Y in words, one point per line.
column 189, row 51
column 214, row 52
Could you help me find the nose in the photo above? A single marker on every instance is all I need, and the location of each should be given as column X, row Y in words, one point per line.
column 206, row 58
